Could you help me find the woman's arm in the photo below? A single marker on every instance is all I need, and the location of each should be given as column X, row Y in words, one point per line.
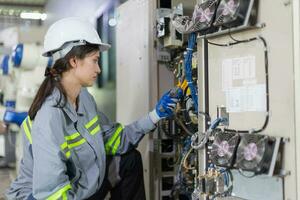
column 119, row 139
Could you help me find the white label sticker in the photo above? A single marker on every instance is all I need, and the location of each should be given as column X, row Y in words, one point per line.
column 226, row 74
column 249, row 67
column 242, row 68
column 237, row 68
column 246, row 98
column 234, row 102
column 249, row 82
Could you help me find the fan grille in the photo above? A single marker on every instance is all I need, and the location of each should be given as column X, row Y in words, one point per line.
column 227, row 12
column 202, row 19
column 251, row 151
column 223, row 148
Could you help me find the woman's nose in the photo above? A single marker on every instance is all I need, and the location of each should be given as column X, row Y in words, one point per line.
column 98, row 69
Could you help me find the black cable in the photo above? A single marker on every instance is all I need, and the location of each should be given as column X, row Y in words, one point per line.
column 230, row 35
column 232, row 43
column 260, row 38
column 206, row 81
column 216, row 44
column 183, row 126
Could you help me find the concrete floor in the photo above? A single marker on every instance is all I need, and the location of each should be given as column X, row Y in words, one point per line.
column 106, row 102
column 6, row 176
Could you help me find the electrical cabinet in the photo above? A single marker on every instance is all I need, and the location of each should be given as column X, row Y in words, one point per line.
column 244, row 69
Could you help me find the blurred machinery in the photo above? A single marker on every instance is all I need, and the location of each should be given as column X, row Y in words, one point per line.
column 8, row 102
column 22, row 75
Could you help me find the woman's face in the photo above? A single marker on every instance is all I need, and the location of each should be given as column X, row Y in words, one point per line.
column 87, row 69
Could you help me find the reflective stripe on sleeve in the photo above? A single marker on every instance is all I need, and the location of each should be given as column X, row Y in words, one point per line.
column 61, row 193
column 116, row 145
column 116, row 137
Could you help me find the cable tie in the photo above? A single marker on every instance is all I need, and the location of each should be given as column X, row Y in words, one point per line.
column 251, row 131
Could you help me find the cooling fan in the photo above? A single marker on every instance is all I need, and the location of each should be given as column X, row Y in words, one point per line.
column 224, row 148
column 204, row 14
column 255, row 153
column 232, row 13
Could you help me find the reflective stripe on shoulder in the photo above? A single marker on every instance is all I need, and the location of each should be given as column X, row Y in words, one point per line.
column 27, row 124
column 114, row 141
column 93, row 126
column 90, row 123
column 61, row 193
column 29, row 121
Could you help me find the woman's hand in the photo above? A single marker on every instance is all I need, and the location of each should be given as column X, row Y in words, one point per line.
column 166, row 105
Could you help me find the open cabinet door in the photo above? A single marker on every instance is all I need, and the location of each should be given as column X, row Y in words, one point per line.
column 132, row 55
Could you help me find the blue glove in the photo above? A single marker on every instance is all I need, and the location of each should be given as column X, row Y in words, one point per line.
column 166, row 105
column 11, row 116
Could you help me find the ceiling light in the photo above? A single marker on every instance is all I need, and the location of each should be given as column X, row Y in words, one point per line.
column 32, row 15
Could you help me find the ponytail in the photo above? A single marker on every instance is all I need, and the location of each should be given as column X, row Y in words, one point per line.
column 52, row 80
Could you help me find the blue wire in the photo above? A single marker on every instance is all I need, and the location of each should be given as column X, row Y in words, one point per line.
column 225, row 175
column 215, row 123
column 188, row 68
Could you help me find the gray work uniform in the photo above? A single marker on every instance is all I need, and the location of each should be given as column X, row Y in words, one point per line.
column 65, row 151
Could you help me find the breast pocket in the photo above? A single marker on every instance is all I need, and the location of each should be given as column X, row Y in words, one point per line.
column 85, row 155
column 84, row 158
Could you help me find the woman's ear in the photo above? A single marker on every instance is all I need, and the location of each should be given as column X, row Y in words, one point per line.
column 73, row 62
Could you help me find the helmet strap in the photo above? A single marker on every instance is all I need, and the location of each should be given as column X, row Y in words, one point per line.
column 66, row 48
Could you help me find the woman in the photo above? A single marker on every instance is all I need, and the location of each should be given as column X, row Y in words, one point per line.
column 72, row 151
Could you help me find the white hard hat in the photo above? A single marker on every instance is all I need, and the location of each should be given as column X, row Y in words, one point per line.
column 70, row 30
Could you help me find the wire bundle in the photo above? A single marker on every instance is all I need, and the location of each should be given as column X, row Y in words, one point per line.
column 188, row 68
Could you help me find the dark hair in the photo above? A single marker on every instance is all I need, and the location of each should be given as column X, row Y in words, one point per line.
column 53, row 77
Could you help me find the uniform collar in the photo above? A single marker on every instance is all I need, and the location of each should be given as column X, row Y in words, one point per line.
column 68, row 108
column 80, row 110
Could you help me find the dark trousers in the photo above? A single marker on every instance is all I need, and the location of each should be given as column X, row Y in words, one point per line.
column 131, row 185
